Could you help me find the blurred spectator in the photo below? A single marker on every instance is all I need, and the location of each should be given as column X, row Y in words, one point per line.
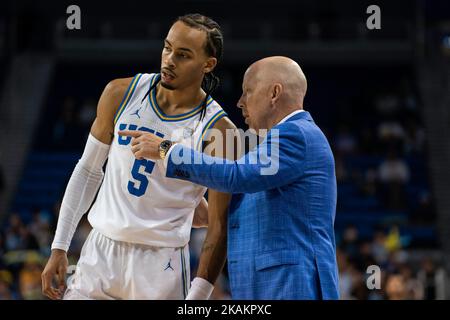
column 396, row 288
column 40, row 229
column 393, row 173
column 345, row 279
column 18, row 237
column 391, row 135
column 393, row 170
column 349, row 243
column 349, row 277
column 360, row 290
column 379, row 250
column 30, row 277
column 413, row 286
column 6, row 280
column 433, row 279
column 393, row 241
column 396, row 260
column 365, row 257
column 391, row 130
column 12, row 237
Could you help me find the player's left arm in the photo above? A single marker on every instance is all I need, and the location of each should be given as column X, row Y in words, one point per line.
column 214, row 250
column 201, row 215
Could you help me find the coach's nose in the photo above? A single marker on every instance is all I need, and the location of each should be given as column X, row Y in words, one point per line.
column 240, row 104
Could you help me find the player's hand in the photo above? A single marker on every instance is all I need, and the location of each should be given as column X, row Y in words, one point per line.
column 56, row 267
column 144, row 145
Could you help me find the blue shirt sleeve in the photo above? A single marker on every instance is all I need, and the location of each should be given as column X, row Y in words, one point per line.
column 276, row 162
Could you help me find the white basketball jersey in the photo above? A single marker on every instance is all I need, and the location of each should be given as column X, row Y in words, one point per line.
column 136, row 202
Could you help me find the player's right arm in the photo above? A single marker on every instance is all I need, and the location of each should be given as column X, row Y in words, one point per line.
column 103, row 126
column 83, row 185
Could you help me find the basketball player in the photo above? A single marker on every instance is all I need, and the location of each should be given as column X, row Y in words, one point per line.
column 138, row 247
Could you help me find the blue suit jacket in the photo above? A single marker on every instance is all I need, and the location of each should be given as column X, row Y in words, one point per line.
column 281, row 242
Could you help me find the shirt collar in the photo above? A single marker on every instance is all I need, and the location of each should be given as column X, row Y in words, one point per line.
column 290, row 115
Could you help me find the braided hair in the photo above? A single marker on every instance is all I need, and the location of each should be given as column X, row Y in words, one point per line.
column 213, row 48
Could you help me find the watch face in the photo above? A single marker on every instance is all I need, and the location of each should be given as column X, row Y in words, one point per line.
column 166, row 144
column 164, row 147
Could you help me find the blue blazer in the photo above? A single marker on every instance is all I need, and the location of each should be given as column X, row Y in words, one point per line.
column 281, row 242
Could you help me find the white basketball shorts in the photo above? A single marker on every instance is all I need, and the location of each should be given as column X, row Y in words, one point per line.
column 109, row 269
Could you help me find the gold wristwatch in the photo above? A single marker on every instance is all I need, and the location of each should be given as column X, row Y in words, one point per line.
column 164, row 147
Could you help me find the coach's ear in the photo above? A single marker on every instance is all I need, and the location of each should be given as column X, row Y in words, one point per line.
column 275, row 92
column 210, row 64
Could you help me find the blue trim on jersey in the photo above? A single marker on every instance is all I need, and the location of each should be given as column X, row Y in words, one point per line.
column 219, row 115
column 171, row 118
column 127, row 97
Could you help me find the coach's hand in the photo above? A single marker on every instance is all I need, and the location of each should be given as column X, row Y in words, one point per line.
column 144, row 144
column 56, row 266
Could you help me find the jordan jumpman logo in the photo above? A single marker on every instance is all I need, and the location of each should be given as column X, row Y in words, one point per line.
column 168, row 265
column 137, row 113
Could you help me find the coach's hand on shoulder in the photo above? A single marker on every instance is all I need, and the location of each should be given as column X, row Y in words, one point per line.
column 144, row 145
column 56, row 266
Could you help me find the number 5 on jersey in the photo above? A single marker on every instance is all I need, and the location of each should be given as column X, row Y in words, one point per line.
column 139, row 187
